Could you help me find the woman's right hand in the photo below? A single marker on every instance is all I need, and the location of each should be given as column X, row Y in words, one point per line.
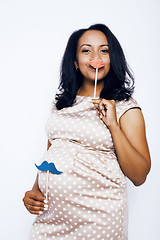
column 35, row 202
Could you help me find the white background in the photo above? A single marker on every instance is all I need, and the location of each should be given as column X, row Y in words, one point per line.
column 33, row 36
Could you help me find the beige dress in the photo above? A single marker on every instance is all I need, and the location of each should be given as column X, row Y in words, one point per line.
column 88, row 201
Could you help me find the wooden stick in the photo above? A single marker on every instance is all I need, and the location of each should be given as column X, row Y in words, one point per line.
column 95, row 83
column 47, row 185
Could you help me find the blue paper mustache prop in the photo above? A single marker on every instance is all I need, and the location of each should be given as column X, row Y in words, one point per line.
column 45, row 166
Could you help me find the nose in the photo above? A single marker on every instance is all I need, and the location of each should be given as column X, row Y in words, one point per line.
column 95, row 55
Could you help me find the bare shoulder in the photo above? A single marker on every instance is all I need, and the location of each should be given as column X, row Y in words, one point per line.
column 131, row 119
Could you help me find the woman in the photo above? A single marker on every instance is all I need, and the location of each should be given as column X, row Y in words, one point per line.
column 96, row 143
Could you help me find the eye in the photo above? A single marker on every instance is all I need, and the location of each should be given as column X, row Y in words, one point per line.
column 86, row 50
column 104, row 50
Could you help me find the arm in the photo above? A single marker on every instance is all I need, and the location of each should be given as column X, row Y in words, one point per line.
column 34, row 200
column 35, row 186
column 49, row 144
column 131, row 146
column 129, row 140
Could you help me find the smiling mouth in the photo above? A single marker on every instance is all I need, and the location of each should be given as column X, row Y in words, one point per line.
column 94, row 69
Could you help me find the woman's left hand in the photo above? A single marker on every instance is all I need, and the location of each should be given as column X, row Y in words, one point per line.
column 107, row 111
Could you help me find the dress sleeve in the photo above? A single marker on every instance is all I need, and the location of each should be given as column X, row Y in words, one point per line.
column 123, row 106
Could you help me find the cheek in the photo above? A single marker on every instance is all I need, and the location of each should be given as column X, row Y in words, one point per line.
column 83, row 60
column 82, row 63
column 107, row 63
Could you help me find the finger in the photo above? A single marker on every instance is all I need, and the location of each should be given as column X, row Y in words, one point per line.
column 38, row 196
column 28, row 199
column 94, row 100
column 44, row 207
column 99, row 104
column 96, row 105
column 103, row 107
column 101, row 111
column 101, row 116
column 35, row 212
column 35, row 196
column 35, row 208
column 32, row 202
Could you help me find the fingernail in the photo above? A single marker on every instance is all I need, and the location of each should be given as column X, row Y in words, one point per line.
column 45, row 209
column 40, row 212
column 45, row 201
column 45, row 205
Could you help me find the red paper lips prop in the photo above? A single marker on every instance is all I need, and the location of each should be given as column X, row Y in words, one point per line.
column 97, row 63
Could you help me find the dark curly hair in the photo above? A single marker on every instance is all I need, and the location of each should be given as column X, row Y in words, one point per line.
column 119, row 82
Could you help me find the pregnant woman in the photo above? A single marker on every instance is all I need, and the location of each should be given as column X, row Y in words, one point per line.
column 95, row 143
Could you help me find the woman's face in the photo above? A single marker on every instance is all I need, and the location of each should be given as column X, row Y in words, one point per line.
column 93, row 44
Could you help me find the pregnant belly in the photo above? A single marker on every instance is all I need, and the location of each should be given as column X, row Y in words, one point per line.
column 91, row 189
column 84, row 174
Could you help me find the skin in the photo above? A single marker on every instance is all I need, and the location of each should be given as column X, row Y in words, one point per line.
column 92, row 44
column 129, row 135
column 34, row 199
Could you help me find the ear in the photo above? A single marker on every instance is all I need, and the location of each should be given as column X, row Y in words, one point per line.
column 76, row 65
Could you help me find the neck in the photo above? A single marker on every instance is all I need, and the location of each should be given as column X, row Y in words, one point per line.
column 87, row 88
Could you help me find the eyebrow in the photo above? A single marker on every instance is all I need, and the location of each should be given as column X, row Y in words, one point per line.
column 89, row 45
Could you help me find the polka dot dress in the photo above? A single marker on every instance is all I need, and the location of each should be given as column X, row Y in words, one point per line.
column 88, row 200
